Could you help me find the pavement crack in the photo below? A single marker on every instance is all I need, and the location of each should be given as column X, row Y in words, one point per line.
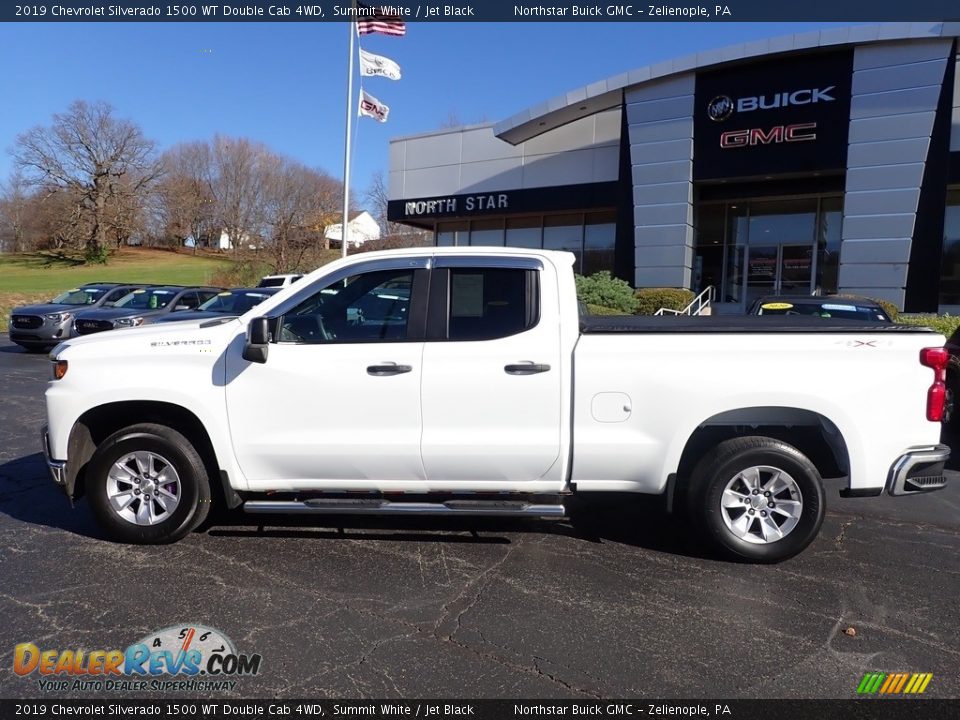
column 838, row 540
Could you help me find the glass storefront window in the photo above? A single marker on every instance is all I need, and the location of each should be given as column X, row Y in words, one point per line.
column 732, row 291
column 828, row 244
column 599, row 239
column 486, row 232
column 591, row 236
column 451, row 233
column 782, row 222
column 950, row 265
column 564, row 232
column 524, row 232
column 708, row 262
column 750, row 248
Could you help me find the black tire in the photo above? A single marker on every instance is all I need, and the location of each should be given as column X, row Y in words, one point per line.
column 194, row 494
column 721, row 465
column 952, row 410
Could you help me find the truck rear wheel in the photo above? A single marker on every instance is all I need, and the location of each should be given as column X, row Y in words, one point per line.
column 148, row 485
column 757, row 499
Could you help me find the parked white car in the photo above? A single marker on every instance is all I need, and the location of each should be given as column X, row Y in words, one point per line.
column 462, row 381
column 278, row 281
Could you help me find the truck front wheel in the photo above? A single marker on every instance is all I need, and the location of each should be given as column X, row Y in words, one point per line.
column 147, row 485
column 757, row 499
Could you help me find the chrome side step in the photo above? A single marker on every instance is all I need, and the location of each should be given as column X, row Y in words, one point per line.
column 377, row 506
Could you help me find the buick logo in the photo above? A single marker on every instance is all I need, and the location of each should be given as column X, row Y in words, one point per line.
column 720, row 108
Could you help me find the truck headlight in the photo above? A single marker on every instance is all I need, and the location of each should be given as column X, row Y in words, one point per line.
column 128, row 322
column 59, row 317
column 59, row 369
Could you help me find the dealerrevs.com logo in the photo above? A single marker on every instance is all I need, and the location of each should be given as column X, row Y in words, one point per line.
column 199, row 657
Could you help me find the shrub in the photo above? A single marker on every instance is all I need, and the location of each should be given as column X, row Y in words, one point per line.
column 606, row 291
column 943, row 324
column 245, row 272
column 652, row 299
column 600, row 310
column 890, row 308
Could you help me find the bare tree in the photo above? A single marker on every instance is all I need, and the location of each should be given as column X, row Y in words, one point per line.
column 186, row 204
column 378, row 201
column 14, row 201
column 392, row 234
column 96, row 157
column 234, row 179
column 299, row 204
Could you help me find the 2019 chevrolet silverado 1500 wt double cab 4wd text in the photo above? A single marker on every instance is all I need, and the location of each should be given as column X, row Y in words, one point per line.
column 463, row 381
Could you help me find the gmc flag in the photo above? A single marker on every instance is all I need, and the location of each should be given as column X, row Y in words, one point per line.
column 371, row 107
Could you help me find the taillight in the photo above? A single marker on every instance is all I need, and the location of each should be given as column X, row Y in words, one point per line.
column 937, row 359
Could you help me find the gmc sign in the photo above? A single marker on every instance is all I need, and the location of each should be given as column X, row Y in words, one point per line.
column 798, row 132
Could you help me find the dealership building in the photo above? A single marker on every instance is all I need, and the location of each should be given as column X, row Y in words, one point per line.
column 822, row 161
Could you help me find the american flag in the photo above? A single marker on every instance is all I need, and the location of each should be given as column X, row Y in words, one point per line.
column 381, row 20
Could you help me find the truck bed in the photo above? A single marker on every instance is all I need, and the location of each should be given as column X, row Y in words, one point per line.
column 655, row 324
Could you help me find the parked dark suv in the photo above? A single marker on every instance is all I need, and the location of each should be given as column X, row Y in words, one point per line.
column 825, row 306
column 40, row 327
column 142, row 307
column 229, row 303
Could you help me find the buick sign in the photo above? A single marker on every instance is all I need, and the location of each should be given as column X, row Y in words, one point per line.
column 720, row 108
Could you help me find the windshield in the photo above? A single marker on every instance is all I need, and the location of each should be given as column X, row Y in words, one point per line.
column 271, row 282
column 79, row 296
column 235, row 303
column 146, row 299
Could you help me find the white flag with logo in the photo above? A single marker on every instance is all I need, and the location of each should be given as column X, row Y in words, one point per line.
column 371, row 107
column 378, row 66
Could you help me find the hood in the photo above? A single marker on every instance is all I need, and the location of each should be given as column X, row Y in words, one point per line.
column 167, row 333
column 110, row 313
column 184, row 315
column 46, row 309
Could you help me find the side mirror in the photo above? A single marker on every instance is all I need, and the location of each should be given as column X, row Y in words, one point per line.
column 258, row 339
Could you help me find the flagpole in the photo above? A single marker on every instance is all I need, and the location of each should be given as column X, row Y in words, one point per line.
column 345, row 227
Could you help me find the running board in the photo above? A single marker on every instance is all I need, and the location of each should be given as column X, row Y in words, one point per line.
column 376, row 506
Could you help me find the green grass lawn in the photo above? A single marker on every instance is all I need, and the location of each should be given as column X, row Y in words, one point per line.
column 36, row 277
column 46, row 272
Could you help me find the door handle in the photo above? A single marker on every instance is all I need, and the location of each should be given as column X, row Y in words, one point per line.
column 388, row 369
column 525, row 369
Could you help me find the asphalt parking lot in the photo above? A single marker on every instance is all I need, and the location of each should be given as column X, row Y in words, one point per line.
column 618, row 603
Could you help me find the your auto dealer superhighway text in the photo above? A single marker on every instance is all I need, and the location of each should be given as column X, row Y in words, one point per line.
column 701, row 11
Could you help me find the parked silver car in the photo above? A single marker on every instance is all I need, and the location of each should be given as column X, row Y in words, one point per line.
column 142, row 307
column 40, row 327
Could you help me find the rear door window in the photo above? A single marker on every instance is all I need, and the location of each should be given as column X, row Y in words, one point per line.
column 489, row 303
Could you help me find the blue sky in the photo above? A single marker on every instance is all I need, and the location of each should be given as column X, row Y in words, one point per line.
column 284, row 84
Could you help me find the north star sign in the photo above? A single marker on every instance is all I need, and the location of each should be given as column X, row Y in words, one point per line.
column 451, row 205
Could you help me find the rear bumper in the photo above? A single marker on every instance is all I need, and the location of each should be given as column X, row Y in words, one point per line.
column 919, row 469
column 58, row 468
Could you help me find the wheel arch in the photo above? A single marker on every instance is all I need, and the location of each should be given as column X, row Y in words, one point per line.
column 98, row 423
column 810, row 432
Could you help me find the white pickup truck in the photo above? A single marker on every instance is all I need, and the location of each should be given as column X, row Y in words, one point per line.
column 463, row 381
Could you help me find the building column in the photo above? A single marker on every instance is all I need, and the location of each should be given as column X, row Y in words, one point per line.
column 896, row 89
column 660, row 117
